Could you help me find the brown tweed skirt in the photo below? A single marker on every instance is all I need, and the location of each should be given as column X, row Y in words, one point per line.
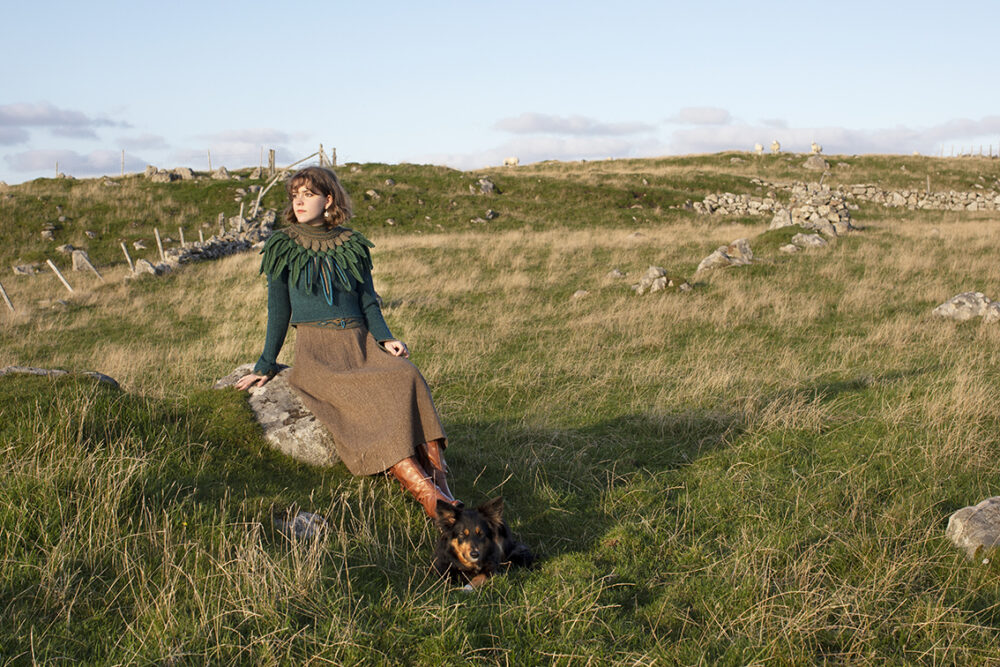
column 377, row 407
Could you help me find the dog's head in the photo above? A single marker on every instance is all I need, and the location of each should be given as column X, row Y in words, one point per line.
column 471, row 534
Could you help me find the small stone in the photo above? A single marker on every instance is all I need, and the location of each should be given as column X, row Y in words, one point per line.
column 789, row 248
column 221, row 174
column 65, row 249
column 48, row 235
column 580, row 293
column 816, row 163
column 144, row 266
column 373, row 195
column 614, row 273
column 90, row 235
column 391, row 222
column 809, row 241
column 139, row 245
column 301, row 525
column 492, row 215
column 390, row 182
column 976, row 529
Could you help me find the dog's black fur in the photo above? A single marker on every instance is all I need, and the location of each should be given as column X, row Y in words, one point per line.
column 475, row 544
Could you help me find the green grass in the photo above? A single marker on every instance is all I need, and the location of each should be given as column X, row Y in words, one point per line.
column 758, row 471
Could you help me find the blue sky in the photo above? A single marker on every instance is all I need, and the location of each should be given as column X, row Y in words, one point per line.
column 468, row 84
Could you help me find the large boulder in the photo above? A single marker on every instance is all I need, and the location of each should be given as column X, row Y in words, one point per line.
column 287, row 423
column 963, row 307
column 976, row 529
column 816, row 163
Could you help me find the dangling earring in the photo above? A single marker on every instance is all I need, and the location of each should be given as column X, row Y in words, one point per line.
column 326, row 215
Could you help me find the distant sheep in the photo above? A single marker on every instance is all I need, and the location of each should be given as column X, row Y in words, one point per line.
column 510, row 161
column 775, row 146
column 816, row 148
column 758, row 149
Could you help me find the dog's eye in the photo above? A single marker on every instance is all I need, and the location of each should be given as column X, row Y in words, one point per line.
column 478, row 532
column 467, row 531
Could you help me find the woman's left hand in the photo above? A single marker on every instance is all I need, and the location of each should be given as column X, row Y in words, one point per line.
column 396, row 348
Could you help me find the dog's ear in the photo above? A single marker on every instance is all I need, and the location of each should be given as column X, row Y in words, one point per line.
column 492, row 510
column 447, row 515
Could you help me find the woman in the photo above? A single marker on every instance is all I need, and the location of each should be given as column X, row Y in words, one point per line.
column 349, row 369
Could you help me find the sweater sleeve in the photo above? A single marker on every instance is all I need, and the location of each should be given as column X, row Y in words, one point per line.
column 279, row 312
column 372, row 311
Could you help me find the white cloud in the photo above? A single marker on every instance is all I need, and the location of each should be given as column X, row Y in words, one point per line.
column 701, row 116
column 24, row 115
column 538, row 123
column 835, row 140
column 148, row 141
column 73, row 163
column 13, row 135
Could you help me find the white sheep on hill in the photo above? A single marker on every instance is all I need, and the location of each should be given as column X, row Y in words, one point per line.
column 816, row 148
column 775, row 146
column 758, row 149
column 510, row 161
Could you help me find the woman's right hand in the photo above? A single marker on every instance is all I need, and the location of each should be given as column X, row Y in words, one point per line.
column 251, row 380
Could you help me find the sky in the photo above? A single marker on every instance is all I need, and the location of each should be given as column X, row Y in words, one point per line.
column 467, row 84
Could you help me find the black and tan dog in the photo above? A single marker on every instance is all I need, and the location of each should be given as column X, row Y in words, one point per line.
column 475, row 544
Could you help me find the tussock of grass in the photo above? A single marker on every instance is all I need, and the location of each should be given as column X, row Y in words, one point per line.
column 759, row 470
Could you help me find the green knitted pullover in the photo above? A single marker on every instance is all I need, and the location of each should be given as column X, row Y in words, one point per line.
column 314, row 275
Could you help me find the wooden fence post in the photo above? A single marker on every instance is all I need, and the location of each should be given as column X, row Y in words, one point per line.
column 6, row 298
column 159, row 244
column 333, row 156
column 180, row 231
column 209, row 160
column 222, row 224
column 128, row 258
column 201, row 236
column 270, row 162
column 60, row 275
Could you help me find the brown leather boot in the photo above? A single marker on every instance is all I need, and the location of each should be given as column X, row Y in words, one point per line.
column 413, row 478
column 432, row 454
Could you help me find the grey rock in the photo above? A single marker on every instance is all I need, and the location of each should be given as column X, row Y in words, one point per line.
column 144, row 266
column 81, row 261
column 65, row 249
column 48, row 235
column 162, row 177
column 789, row 248
column 390, row 182
column 486, row 187
column 614, row 273
column 221, row 174
column 139, row 245
column 737, row 253
column 300, row 525
column 255, row 174
column 816, row 163
column 963, row 307
column 579, row 294
column 90, row 235
column 286, row 422
column 492, row 215
column 373, row 195
column 25, row 269
column 809, row 241
column 48, row 372
column 976, row 529
column 183, row 173
column 782, row 218
column 150, row 170
column 992, row 313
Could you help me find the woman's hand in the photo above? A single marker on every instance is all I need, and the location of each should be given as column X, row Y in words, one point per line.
column 396, row 348
column 251, row 380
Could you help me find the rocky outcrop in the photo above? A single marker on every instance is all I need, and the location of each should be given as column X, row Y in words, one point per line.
column 976, row 529
column 737, row 253
column 286, row 422
column 655, row 280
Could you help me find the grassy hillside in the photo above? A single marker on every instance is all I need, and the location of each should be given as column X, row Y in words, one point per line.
column 758, row 470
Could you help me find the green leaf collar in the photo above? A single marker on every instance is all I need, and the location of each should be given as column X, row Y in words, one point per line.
column 311, row 254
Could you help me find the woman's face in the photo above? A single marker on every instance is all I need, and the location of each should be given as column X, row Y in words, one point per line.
column 309, row 205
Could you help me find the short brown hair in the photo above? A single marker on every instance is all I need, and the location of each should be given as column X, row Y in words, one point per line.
column 323, row 182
